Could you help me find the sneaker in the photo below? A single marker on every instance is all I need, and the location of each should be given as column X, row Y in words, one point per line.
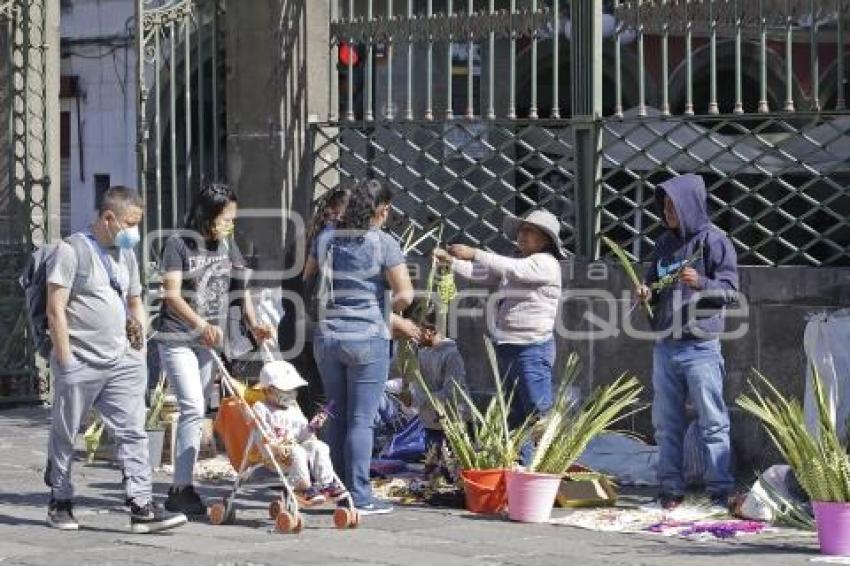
column 153, row 517
column 669, row 501
column 60, row 515
column 310, row 497
column 375, row 508
column 185, row 500
column 334, row 490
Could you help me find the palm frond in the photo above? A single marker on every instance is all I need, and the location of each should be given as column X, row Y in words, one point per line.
column 157, row 401
column 627, row 267
column 570, row 428
column 818, row 458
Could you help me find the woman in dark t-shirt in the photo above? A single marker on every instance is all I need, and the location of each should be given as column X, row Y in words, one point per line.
column 204, row 272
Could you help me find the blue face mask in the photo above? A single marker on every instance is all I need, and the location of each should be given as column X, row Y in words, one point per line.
column 127, row 238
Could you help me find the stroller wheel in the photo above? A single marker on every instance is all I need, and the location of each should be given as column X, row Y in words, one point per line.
column 342, row 517
column 221, row 513
column 275, row 508
column 286, row 522
column 345, row 518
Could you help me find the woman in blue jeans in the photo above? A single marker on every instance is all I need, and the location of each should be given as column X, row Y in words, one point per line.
column 363, row 278
column 529, row 292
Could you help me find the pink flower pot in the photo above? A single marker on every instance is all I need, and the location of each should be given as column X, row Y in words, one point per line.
column 833, row 525
column 531, row 496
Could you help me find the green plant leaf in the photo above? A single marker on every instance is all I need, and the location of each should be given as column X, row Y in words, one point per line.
column 628, row 268
column 818, row 458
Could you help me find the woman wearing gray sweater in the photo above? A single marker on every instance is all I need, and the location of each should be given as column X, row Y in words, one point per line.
column 529, row 292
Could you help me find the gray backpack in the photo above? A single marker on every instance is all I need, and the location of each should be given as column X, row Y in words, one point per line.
column 34, row 282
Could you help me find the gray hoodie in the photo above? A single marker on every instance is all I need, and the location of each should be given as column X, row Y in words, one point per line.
column 443, row 371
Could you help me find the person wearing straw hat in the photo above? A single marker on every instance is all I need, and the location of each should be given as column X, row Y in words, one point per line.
column 529, row 289
column 308, row 464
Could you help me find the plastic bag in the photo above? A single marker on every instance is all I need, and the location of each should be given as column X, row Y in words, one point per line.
column 764, row 502
column 827, row 344
column 408, row 445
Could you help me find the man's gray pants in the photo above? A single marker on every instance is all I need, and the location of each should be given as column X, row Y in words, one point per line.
column 117, row 392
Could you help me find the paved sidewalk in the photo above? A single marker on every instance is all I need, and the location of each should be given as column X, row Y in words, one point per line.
column 411, row 536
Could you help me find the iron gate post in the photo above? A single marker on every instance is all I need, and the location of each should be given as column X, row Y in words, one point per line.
column 142, row 132
column 586, row 94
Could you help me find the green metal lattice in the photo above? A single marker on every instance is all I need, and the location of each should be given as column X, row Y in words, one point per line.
column 24, row 186
column 777, row 184
column 465, row 175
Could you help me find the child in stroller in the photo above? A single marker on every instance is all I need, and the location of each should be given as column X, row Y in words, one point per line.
column 306, row 459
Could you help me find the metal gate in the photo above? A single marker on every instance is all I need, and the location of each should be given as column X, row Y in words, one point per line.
column 24, row 184
column 181, row 109
column 461, row 105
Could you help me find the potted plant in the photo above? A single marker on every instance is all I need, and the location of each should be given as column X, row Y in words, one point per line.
column 153, row 423
column 818, row 458
column 563, row 436
column 481, row 443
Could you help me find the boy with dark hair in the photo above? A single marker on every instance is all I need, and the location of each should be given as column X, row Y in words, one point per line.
column 444, row 374
column 700, row 263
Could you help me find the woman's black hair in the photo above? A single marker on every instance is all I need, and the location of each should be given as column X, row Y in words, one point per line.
column 366, row 196
column 333, row 199
column 208, row 205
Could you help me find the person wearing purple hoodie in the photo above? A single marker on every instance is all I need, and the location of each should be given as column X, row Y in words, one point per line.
column 700, row 266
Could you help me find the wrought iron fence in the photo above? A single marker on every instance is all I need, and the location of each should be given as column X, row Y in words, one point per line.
column 459, row 105
column 24, row 184
column 180, row 108
column 736, row 56
column 464, row 175
column 777, row 183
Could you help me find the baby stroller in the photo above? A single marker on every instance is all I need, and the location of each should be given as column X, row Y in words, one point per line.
column 248, row 443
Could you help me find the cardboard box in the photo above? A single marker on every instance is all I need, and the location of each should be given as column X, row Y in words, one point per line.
column 586, row 490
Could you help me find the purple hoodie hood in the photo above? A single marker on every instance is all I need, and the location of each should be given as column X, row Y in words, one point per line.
column 717, row 265
column 688, row 195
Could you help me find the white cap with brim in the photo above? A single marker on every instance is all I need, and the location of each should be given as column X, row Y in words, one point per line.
column 281, row 375
column 542, row 219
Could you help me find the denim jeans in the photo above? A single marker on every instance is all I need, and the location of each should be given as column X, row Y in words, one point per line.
column 354, row 374
column 526, row 370
column 189, row 370
column 682, row 370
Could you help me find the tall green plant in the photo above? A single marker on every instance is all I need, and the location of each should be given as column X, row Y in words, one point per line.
column 569, row 428
column 152, row 421
column 819, row 459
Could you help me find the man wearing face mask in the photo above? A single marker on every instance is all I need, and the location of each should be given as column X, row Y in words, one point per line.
column 98, row 358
